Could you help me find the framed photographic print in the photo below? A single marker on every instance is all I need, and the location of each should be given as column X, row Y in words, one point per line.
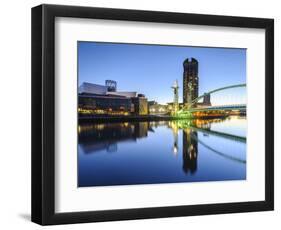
column 141, row 114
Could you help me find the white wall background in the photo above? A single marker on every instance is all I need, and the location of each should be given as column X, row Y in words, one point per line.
column 15, row 167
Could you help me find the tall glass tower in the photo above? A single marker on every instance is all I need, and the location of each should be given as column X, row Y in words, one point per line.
column 190, row 80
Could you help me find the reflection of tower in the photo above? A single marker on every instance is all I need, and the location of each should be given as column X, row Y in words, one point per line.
column 190, row 80
column 175, row 129
column 190, row 151
column 175, row 87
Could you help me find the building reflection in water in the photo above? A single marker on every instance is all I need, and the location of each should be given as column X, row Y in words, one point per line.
column 106, row 136
column 96, row 137
column 189, row 144
column 189, row 151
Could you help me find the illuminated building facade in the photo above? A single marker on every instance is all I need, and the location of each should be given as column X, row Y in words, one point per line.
column 158, row 109
column 190, row 80
column 90, row 104
column 96, row 99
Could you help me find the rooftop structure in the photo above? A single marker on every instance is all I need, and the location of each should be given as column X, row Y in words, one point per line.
column 90, row 88
column 111, row 85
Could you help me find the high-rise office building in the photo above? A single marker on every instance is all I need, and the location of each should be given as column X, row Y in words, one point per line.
column 190, row 80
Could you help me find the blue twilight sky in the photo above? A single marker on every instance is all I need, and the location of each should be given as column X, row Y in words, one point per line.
column 152, row 69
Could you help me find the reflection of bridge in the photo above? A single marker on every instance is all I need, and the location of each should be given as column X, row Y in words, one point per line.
column 190, row 109
column 220, row 134
column 227, row 156
column 187, row 125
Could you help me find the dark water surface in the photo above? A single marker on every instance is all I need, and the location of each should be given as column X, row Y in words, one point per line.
column 161, row 152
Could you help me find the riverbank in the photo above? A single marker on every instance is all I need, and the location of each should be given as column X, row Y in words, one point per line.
column 141, row 118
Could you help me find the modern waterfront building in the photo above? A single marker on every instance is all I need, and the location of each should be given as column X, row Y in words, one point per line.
column 94, row 104
column 190, row 80
column 94, row 99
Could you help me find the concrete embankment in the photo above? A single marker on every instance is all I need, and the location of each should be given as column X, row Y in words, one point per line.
column 139, row 118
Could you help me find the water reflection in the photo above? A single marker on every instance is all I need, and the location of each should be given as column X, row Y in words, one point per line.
column 151, row 141
column 190, row 151
column 95, row 137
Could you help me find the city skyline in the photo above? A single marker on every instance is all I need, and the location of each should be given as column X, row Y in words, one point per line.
column 193, row 138
column 137, row 67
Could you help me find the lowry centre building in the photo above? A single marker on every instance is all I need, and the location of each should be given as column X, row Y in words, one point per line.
column 94, row 99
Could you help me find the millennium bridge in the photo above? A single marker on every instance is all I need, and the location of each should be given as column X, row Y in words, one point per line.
column 189, row 109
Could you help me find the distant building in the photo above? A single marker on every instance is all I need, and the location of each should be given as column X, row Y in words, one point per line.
column 152, row 103
column 140, row 105
column 155, row 108
column 158, row 109
column 206, row 101
column 170, row 107
column 190, row 80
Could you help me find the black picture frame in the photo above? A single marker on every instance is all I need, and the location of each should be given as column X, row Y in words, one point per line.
column 43, row 110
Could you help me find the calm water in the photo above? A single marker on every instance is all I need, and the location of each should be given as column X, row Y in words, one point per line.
column 161, row 152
